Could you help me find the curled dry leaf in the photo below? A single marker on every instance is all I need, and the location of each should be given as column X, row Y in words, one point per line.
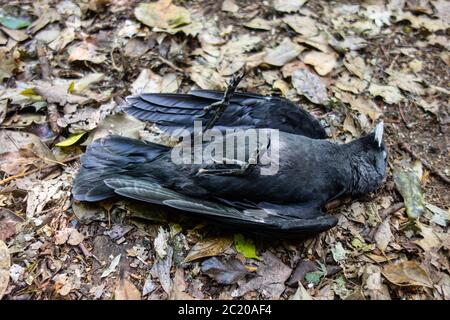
column 229, row 6
column 373, row 283
column 360, row 104
column 319, row 41
column 21, row 150
column 208, row 248
column 310, row 86
column 58, row 94
column 407, row 273
column 406, row 81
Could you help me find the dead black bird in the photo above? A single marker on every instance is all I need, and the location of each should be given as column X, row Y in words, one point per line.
column 310, row 172
column 277, row 182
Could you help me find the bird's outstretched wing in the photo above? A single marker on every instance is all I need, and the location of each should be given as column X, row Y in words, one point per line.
column 287, row 220
column 172, row 112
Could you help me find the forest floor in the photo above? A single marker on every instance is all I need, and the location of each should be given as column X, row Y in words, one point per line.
column 65, row 67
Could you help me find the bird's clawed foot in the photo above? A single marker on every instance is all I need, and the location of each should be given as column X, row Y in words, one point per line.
column 219, row 106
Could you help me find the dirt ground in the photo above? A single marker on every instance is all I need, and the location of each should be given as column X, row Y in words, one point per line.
column 66, row 67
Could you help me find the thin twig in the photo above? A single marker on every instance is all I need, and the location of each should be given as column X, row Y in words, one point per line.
column 24, row 174
column 433, row 170
column 170, row 64
column 391, row 210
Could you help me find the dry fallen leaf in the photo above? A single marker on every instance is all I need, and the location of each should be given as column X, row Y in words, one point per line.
column 286, row 51
column 86, row 51
column 407, row 273
column 5, row 264
column 224, row 271
column 310, row 86
column 390, row 94
column 272, row 274
column 288, row 5
column 229, row 6
column 383, row 235
column 302, row 25
column 323, row 63
column 126, row 290
column 163, row 15
column 179, row 287
column 208, row 248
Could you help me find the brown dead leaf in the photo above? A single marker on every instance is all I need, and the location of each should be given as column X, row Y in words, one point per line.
column 86, row 51
column 309, row 85
column 323, row 63
column 208, row 248
column 17, row 35
column 58, row 94
column 286, row 51
column 224, row 271
column 272, row 274
column 302, row 25
column 163, row 15
column 383, row 235
column 126, row 290
column 407, row 273
column 430, row 240
column 68, row 235
column 179, row 287
column 229, row 6
column 7, row 65
column 288, row 5
column 5, row 264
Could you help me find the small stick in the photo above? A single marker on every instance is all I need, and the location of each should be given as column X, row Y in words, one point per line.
column 23, row 174
column 436, row 172
column 170, row 64
column 391, row 210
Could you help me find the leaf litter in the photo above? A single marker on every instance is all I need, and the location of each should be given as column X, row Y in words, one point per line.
column 349, row 64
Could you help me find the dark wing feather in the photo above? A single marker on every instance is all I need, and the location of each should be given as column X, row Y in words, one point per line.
column 258, row 220
column 246, row 110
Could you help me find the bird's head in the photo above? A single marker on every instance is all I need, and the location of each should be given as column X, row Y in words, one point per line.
column 369, row 160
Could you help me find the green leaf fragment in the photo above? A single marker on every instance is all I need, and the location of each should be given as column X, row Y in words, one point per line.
column 246, row 247
column 15, row 23
column 71, row 140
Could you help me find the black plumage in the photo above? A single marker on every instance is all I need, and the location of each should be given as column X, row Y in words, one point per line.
column 245, row 110
column 311, row 173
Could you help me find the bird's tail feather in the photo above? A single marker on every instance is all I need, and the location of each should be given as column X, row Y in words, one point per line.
column 111, row 157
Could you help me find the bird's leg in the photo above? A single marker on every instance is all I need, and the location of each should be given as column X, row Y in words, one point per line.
column 219, row 106
column 244, row 166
